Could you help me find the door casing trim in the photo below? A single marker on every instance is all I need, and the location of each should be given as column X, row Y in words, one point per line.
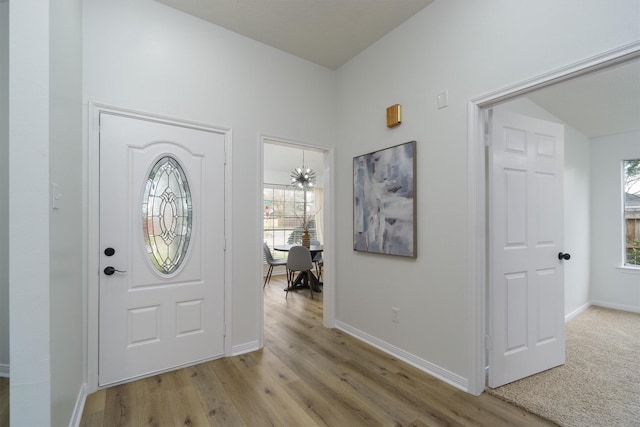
column 477, row 254
column 92, row 173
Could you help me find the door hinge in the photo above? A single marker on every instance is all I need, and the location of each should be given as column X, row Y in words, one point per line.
column 487, row 342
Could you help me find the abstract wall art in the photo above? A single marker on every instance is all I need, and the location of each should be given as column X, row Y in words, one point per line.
column 384, row 208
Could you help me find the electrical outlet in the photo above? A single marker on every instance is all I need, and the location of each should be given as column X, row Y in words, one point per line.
column 395, row 312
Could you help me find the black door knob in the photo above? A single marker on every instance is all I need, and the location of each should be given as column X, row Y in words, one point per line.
column 110, row 270
column 109, row 251
column 564, row 256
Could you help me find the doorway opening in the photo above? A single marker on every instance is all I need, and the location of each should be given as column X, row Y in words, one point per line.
column 287, row 210
column 479, row 232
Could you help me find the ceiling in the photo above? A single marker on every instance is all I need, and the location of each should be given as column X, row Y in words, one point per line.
column 601, row 103
column 326, row 32
column 331, row 32
column 284, row 158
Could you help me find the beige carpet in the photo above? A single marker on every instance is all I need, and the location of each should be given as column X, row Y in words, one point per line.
column 600, row 383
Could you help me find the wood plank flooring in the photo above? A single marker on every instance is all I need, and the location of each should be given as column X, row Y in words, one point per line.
column 306, row 375
column 4, row 402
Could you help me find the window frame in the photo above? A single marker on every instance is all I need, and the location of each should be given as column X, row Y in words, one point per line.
column 630, row 214
column 291, row 217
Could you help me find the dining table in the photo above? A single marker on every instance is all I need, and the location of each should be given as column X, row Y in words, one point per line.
column 300, row 281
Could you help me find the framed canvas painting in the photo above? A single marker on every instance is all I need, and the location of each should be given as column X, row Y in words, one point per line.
column 384, row 208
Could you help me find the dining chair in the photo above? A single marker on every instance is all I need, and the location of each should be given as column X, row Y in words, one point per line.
column 271, row 261
column 299, row 259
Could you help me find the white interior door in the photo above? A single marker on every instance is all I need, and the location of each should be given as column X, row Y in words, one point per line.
column 162, row 231
column 526, row 284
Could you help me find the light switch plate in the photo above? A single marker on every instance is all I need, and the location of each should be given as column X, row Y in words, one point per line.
column 56, row 196
column 443, row 99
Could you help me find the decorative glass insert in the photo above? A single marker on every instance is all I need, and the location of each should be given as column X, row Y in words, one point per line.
column 167, row 216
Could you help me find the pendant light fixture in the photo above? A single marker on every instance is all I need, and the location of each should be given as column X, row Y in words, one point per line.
column 303, row 177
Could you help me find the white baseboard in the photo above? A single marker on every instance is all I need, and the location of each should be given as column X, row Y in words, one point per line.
column 575, row 312
column 413, row 360
column 245, row 348
column 4, row 370
column 631, row 308
column 79, row 408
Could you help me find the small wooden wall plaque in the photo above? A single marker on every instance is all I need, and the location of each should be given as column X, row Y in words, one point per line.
column 394, row 115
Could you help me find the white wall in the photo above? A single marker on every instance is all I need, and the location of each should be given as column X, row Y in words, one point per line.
column 577, row 220
column 66, row 223
column 610, row 285
column 4, row 188
column 146, row 56
column 29, row 212
column 45, row 246
column 470, row 49
column 577, row 210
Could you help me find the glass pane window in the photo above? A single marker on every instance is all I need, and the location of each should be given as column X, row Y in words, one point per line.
column 167, row 216
column 631, row 186
column 284, row 216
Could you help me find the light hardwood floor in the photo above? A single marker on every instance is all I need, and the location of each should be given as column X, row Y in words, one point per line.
column 306, row 375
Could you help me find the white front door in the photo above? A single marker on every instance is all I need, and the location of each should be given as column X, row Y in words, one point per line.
column 526, row 284
column 161, row 295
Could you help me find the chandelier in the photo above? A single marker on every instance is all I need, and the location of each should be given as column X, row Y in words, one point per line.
column 303, row 177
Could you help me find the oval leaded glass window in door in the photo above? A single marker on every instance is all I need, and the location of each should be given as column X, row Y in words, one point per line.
column 167, row 215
